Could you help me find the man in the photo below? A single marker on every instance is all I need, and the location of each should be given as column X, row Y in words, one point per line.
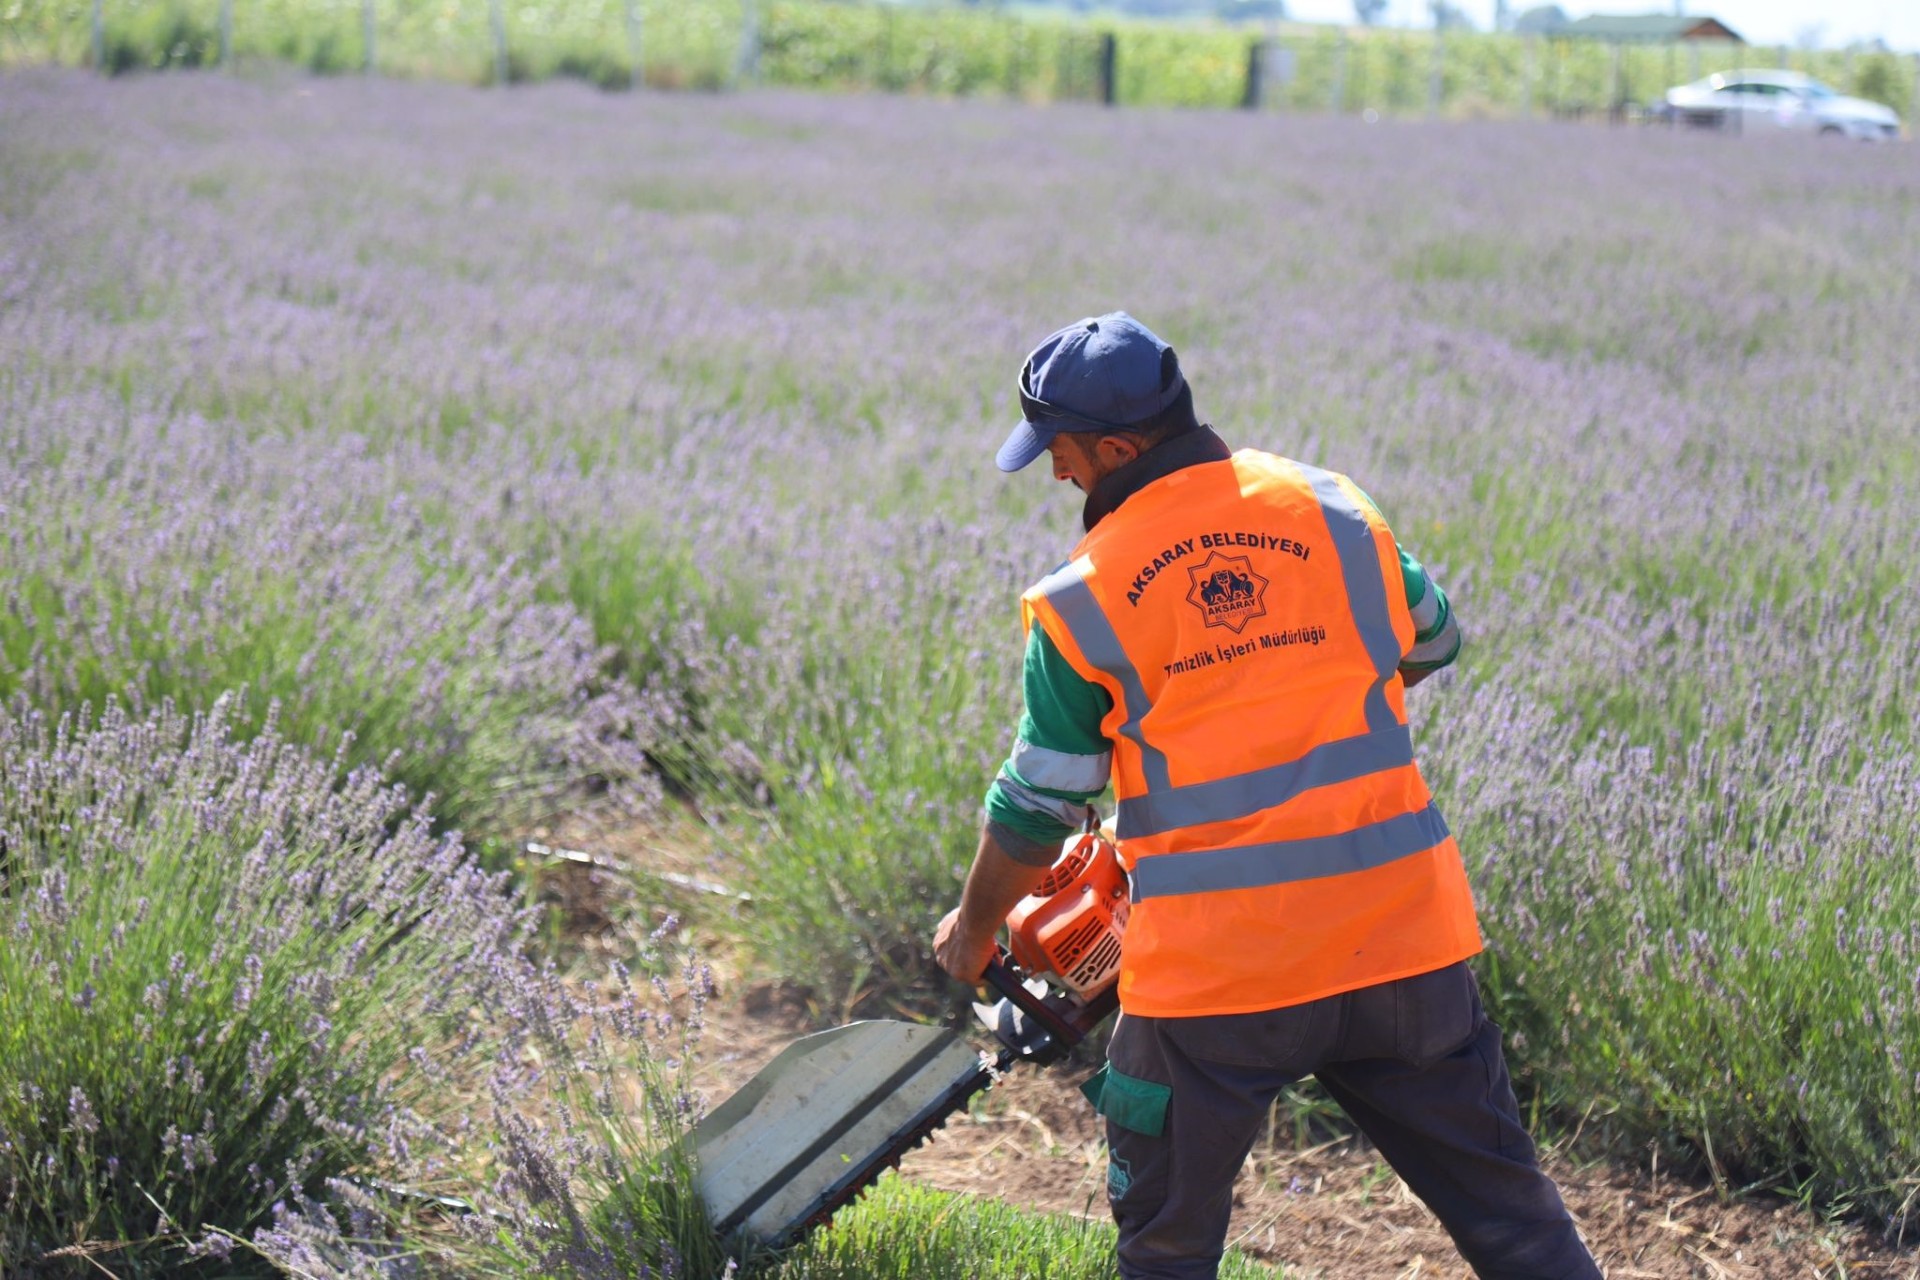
column 1230, row 645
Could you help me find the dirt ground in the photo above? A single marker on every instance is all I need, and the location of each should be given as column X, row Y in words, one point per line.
column 1335, row 1211
column 1328, row 1212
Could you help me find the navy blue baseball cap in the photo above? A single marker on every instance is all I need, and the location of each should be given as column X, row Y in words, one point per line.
column 1105, row 373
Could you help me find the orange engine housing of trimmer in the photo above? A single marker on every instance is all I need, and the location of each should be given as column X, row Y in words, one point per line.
column 1068, row 930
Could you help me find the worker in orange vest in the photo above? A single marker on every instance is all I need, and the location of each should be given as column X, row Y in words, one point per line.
column 1229, row 646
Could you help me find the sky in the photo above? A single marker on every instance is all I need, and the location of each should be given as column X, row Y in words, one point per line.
column 1768, row 22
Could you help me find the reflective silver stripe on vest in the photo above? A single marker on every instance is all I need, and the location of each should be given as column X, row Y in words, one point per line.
column 1366, row 587
column 1067, row 591
column 1255, row 866
column 1245, row 794
column 1060, row 770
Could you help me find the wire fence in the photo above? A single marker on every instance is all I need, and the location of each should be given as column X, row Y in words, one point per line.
column 717, row 44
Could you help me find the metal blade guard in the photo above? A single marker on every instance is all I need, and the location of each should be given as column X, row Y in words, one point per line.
column 824, row 1119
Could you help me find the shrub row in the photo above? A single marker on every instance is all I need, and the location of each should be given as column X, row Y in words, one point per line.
column 924, row 49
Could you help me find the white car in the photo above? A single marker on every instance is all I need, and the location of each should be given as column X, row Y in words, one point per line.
column 1781, row 100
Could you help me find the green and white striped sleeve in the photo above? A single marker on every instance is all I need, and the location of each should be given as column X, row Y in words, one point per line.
column 1436, row 636
column 1060, row 759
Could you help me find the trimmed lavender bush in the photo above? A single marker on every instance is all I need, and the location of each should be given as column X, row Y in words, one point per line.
column 596, row 1166
column 851, row 784
column 232, row 971
column 1643, row 400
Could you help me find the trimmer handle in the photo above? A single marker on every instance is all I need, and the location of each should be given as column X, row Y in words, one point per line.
column 1004, row 977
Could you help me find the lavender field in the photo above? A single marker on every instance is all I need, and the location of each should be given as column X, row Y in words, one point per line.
column 536, row 449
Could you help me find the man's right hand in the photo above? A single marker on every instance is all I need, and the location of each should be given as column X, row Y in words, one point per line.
column 963, row 941
column 964, row 958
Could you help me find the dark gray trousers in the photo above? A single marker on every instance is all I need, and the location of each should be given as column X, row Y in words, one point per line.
column 1415, row 1063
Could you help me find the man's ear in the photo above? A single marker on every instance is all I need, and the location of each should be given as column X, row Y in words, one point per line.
column 1116, row 451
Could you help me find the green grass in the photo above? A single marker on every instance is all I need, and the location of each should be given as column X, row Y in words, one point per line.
column 900, row 1231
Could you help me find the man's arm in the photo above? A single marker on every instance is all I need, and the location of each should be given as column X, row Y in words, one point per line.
column 1059, row 763
column 1060, row 759
column 1436, row 636
column 963, row 943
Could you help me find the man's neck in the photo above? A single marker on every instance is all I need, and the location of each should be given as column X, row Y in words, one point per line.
column 1188, row 449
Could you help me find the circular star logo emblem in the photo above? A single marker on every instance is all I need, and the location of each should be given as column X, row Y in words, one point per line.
column 1227, row 591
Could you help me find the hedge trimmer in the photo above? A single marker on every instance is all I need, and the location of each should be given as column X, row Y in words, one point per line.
column 822, row 1121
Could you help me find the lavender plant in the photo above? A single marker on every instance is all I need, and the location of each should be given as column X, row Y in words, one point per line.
column 1718, row 932
column 583, row 1168
column 341, row 606
column 594, row 1152
column 230, row 969
column 851, row 786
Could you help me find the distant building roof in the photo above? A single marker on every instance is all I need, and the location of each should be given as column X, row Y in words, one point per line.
column 1540, row 21
column 1649, row 27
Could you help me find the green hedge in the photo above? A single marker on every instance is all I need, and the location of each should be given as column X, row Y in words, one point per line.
column 919, row 48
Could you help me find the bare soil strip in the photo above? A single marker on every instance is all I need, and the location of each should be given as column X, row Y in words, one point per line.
column 1336, row 1212
column 1330, row 1212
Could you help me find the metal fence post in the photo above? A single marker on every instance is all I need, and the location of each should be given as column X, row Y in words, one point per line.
column 636, row 45
column 1437, row 72
column 1336, row 96
column 1550, row 78
column 1529, row 73
column 1282, row 69
column 1913, row 100
column 497, row 19
column 1109, row 66
column 1016, row 48
column 1355, row 65
column 368, row 62
column 99, row 38
column 226, row 35
column 1337, row 81
column 747, row 66
column 1250, row 98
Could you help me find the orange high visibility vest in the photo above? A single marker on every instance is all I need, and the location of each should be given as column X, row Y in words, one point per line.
column 1247, row 618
